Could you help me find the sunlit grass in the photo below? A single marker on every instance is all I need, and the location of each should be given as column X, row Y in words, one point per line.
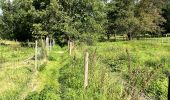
column 146, row 54
column 11, row 53
column 61, row 76
column 13, row 82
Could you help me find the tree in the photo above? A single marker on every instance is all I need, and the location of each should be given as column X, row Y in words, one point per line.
column 7, row 18
column 16, row 19
column 62, row 19
column 20, row 18
column 47, row 16
column 149, row 13
column 1, row 25
column 38, row 32
column 166, row 15
column 122, row 18
column 110, row 27
column 84, row 19
column 81, row 20
column 135, row 17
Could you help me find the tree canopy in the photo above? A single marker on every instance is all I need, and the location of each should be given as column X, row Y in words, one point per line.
column 82, row 20
column 133, row 17
column 166, row 14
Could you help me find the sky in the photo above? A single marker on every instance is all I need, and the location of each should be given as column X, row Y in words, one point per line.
column 0, row 11
column 0, row 8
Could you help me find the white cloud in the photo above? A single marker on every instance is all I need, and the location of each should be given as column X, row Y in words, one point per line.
column 0, row 11
column 109, row 0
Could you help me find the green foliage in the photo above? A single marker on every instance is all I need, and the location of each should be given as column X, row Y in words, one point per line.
column 16, row 79
column 14, row 53
column 48, row 93
column 109, row 75
column 42, row 67
column 135, row 17
column 16, row 18
column 64, row 20
column 85, row 21
column 38, row 33
column 166, row 14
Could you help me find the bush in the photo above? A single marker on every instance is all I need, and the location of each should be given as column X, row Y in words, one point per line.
column 42, row 67
column 48, row 93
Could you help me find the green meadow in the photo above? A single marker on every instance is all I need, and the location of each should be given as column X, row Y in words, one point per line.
column 117, row 71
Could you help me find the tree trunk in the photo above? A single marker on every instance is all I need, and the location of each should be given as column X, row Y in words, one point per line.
column 114, row 37
column 129, row 36
column 108, row 36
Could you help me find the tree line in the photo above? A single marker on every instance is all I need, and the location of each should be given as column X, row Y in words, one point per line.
column 83, row 20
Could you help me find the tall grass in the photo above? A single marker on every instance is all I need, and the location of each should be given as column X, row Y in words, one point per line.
column 109, row 76
column 124, row 70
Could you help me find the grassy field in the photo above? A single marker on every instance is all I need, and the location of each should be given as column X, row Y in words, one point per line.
column 111, row 78
column 15, row 71
column 11, row 51
column 117, row 71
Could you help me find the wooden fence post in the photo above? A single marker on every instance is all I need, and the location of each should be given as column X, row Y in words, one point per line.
column 86, row 61
column 47, row 44
column 70, row 47
column 53, row 42
column 168, row 87
column 68, row 43
column 50, row 45
column 129, row 60
column 36, row 55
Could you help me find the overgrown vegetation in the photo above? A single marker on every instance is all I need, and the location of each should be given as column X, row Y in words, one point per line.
column 14, row 52
column 111, row 76
column 118, row 70
column 127, row 41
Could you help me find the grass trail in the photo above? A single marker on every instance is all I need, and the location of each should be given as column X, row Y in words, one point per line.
column 48, row 86
column 61, row 77
column 41, row 85
column 50, row 75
